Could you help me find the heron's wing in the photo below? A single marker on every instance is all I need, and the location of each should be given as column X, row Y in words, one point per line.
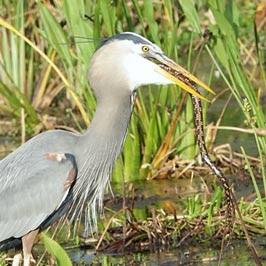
column 39, row 185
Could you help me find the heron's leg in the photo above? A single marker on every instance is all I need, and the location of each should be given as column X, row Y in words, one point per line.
column 27, row 243
column 17, row 259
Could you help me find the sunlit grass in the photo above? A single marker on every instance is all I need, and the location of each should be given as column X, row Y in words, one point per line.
column 150, row 122
column 162, row 119
column 149, row 119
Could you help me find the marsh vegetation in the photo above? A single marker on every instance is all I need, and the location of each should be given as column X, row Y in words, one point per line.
column 45, row 50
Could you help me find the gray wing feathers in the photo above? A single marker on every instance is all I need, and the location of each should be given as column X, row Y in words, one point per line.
column 31, row 188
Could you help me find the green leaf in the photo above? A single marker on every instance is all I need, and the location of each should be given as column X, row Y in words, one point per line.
column 191, row 13
column 108, row 13
column 16, row 99
column 232, row 13
column 132, row 152
column 55, row 34
column 78, row 26
column 149, row 16
column 224, row 25
column 62, row 258
column 221, row 53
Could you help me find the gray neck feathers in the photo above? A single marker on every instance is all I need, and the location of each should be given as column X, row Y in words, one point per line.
column 101, row 145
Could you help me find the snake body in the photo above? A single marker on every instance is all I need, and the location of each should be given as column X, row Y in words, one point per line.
column 199, row 130
column 198, row 122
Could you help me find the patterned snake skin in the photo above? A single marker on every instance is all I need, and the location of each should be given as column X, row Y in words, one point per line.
column 198, row 121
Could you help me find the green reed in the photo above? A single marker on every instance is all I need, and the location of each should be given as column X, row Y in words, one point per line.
column 63, row 37
column 150, row 121
column 226, row 55
column 68, row 34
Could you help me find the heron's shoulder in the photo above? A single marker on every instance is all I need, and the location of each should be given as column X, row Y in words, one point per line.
column 56, row 133
column 48, row 141
column 37, row 157
column 51, row 138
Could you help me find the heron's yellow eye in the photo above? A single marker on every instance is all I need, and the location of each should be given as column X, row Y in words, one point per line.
column 145, row 48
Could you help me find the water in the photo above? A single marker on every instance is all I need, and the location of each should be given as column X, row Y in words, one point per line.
column 234, row 117
column 168, row 193
column 164, row 194
column 203, row 254
column 158, row 194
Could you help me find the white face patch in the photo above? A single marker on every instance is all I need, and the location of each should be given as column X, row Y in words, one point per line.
column 140, row 71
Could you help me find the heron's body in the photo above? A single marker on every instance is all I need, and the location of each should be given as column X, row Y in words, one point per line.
column 26, row 202
column 57, row 169
column 20, row 212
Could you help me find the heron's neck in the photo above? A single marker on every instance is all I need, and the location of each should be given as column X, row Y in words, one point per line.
column 109, row 125
column 97, row 150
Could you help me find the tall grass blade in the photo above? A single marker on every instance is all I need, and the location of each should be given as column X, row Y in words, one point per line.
column 62, row 258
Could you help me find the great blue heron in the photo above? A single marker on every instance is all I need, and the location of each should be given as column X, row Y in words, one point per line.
column 43, row 178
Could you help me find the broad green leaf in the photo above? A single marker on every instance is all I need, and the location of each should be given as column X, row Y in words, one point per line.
column 17, row 99
column 150, row 18
column 55, row 34
column 191, row 13
column 62, row 258
column 223, row 23
column 79, row 27
column 221, row 53
column 108, row 13
column 132, row 152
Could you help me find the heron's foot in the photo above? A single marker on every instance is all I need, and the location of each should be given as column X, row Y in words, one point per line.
column 17, row 260
column 29, row 260
column 27, row 243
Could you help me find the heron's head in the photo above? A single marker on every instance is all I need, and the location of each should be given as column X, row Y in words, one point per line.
column 127, row 61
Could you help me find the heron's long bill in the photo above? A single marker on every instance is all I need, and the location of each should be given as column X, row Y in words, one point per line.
column 181, row 77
